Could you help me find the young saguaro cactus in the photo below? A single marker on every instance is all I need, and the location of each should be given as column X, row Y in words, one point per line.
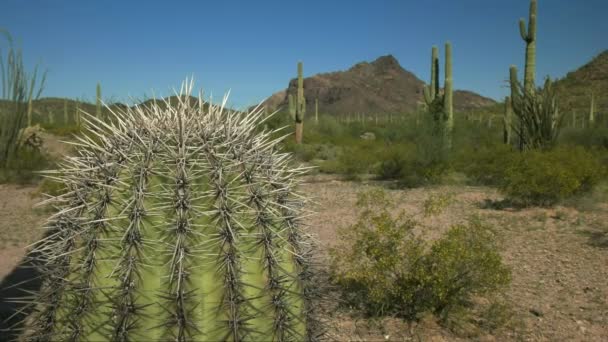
column 181, row 222
column 300, row 106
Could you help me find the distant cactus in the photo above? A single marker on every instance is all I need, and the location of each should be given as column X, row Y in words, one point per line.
column 316, row 111
column 77, row 115
column 65, row 111
column 507, row 121
column 539, row 118
column 441, row 106
column 180, row 222
column 98, row 101
column 529, row 37
column 300, row 105
column 30, row 107
column 592, row 111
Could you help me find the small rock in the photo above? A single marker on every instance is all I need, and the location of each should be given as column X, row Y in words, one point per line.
column 536, row 312
column 368, row 136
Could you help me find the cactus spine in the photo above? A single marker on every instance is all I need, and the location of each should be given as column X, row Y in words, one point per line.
column 98, row 101
column 300, row 105
column 506, row 121
column 181, row 223
column 530, row 38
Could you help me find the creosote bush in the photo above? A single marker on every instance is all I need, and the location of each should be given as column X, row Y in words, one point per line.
column 546, row 177
column 382, row 268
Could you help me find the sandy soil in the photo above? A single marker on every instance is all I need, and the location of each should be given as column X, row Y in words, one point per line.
column 559, row 258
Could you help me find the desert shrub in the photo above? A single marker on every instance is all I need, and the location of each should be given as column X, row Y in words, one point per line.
column 544, row 178
column 24, row 166
column 486, row 165
column 394, row 159
column 436, row 203
column 51, row 187
column 382, row 268
column 594, row 137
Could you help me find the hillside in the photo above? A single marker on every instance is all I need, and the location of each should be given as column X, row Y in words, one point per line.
column 575, row 89
column 380, row 86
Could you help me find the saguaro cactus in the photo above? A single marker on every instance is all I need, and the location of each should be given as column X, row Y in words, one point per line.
column 529, row 37
column 98, row 101
column 300, row 106
column 30, row 106
column 65, row 111
column 506, row 121
column 292, row 106
column 441, row 106
column 181, row 223
column 316, row 111
column 77, row 115
column 592, row 110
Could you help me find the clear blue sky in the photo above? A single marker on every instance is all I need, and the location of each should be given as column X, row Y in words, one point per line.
column 252, row 47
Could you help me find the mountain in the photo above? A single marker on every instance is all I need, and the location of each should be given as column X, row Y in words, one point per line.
column 380, row 86
column 575, row 88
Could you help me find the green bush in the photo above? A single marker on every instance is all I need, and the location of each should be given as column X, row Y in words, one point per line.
column 22, row 169
column 546, row 177
column 382, row 268
column 486, row 165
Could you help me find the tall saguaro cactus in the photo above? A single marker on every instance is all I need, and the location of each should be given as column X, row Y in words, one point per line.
column 529, row 36
column 65, row 112
column 316, row 111
column 300, row 105
column 506, row 121
column 448, row 96
column 592, row 110
column 98, row 101
column 292, row 106
column 441, row 106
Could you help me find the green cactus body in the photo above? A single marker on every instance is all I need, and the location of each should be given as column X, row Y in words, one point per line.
column 316, row 111
column 432, row 91
column 65, row 111
column 181, row 224
column 98, row 101
column 441, row 106
column 77, row 114
column 592, row 110
column 29, row 112
column 292, row 106
column 529, row 37
column 300, row 105
column 447, row 101
column 506, row 121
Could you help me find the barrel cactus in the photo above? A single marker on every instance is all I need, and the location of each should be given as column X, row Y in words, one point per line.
column 180, row 222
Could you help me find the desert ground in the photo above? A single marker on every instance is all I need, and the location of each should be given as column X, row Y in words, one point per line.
column 558, row 256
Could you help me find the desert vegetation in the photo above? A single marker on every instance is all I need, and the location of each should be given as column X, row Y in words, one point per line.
column 181, row 219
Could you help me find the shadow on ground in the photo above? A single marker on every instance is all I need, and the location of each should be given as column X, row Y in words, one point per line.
column 15, row 287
